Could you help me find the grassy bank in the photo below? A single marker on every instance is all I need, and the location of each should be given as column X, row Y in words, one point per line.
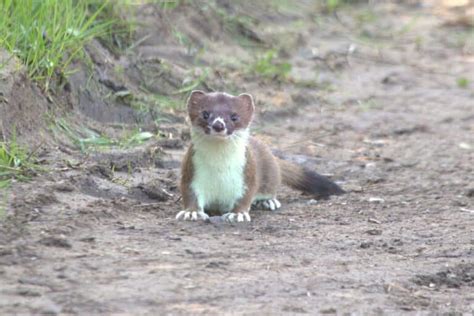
column 48, row 35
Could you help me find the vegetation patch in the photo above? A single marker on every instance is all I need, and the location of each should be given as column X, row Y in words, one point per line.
column 47, row 35
column 85, row 138
column 332, row 5
column 15, row 163
column 269, row 66
column 122, row 16
column 462, row 82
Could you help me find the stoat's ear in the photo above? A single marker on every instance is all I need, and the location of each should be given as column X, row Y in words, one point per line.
column 194, row 98
column 247, row 101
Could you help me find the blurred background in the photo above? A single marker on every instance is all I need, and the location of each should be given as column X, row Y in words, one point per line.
column 378, row 95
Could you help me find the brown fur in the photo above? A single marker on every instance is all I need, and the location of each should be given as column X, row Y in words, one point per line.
column 267, row 170
column 187, row 172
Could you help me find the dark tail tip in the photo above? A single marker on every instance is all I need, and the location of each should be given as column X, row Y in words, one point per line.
column 319, row 186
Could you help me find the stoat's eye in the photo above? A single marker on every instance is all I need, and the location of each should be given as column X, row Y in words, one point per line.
column 234, row 117
column 205, row 115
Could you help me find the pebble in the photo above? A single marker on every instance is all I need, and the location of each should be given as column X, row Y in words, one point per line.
column 373, row 220
column 376, row 200
column 374, row 232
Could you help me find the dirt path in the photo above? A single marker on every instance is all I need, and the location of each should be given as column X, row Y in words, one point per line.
column 388, row 120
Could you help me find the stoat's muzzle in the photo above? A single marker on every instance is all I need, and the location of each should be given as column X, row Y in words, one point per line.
column 218, row 127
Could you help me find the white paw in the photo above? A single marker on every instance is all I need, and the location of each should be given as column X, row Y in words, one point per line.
column 271, row 204
column 192, row 215
column 236, row 217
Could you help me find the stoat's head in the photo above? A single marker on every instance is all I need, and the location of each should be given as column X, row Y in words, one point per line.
column 219, row 114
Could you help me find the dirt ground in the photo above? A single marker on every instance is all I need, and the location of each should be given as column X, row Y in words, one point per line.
column 384, row 117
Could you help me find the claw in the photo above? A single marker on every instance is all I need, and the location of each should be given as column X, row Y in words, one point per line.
column 192, row 215
column 236, row 217
column 247, row 216
column 180, row 214
column 271, row 204
column 277, row 203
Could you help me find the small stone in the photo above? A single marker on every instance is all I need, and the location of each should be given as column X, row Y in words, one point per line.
column 28, row 292
column 4, row 251
column 470, row 192
column 330, row 310
column 55, row 242
column 87, row 239
column 62, row 186
column 374, row 232
column 376, row 200
column 373, row 220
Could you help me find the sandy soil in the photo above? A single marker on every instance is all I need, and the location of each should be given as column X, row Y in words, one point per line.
column 385, row 118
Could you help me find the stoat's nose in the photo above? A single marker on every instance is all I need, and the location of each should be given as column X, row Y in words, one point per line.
column 218, row 126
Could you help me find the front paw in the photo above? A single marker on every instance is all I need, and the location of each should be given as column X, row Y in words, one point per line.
column 192, row 215
column 236, row 217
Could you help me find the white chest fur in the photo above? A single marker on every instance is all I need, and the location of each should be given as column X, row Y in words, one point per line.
column 219, row 165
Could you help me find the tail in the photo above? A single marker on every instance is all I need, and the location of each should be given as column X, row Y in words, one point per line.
column 310, row 182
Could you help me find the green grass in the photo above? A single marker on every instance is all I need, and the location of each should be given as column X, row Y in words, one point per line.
column 368, row 104
column 47, row 35
column 194, row 81
column 462, row 82
column 15, row 163
column 86, row 139
column 169, row 4
column 332, row 5
column 145, row 101
column 239, row 23
column 270, row 66
column 122, row 15
column 165, row 102
column 184, row 41
column 81, row 137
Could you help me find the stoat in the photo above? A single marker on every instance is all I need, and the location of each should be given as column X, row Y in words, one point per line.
column 227, row 170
